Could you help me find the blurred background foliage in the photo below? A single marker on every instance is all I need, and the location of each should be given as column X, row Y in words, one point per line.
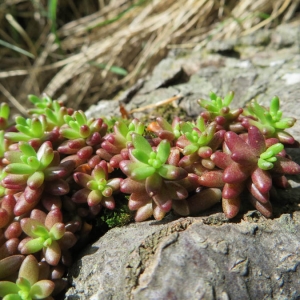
column 82, row 51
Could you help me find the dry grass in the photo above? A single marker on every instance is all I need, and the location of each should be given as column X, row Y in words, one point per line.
column 107, row 45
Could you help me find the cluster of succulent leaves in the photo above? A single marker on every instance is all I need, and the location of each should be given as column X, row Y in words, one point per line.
column 61, row 171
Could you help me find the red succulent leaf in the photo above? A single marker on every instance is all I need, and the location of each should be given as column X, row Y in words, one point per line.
column 164, row 201
column 231, row 207
column 264, row 208
column 261, row 197
column 57, row 187
column 262, row 180
column 33, row 195
column 256, row 140
column 232, row 190
column 22, row 206
column 212, row 179
column 221, row 159
column 241, row 151
column 54, row 216
column 286, row 166
column 236, row 173
column 52, row 253
column 144, row 212
column 38, row 215
column 129, row 186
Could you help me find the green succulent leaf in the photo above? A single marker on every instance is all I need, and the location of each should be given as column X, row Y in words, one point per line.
column 142, row 173
column 33, row 246
column 140, row 155
column 163, row 151
column 7, row 287
column 140, row 143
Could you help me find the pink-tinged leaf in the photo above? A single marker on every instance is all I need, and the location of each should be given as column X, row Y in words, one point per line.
column 232, row 190
column 50, row 202
column 213, row 179
column 285, row 166
column 82, row 178
column 52, row 253
column 262, row 180
column 23, row 207
column 231, row 207
column 137, row 200
column 68, row 240
column 14, row 179
column 33, row 195
column 28, row 225
column 109, row 202
column 217, row 140
column 235, row 173
column 42, row 289
column 153, row 184
column 29, row 269
column 241, row 151
column 172, row 173
column 256, row 140
column 144, row 213
column 221, row 159
column 285, row 138
column 158, row 213
column 9, row 266
column 264, row 208
column 10, row 247
column 94, row 197
column 129, row 186
column 38, row 215
column 8, row 203
column 54, row 216
column 163, row 201
column 4, row 218
column 261, row 197
column 13, row 230
column 85, row 152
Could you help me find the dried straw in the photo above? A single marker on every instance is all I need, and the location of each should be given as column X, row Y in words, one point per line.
column 120, row 36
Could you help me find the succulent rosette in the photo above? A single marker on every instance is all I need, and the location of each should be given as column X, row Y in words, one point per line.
column 47, row 233
column 269, row 121
column 27, row 286
column 218, row 110
column 250, row 164
column 148, row 166
column 164, row 130
column 98, row 189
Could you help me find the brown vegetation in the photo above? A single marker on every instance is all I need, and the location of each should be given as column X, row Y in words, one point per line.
column 89, row 50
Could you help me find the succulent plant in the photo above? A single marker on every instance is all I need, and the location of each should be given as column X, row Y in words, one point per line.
column 269, row 121
column 62, row 175
column 27, row 286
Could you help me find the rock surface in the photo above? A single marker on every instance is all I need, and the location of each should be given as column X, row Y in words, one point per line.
column 207, row 257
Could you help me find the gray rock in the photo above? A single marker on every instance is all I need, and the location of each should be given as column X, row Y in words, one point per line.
column 208, row 257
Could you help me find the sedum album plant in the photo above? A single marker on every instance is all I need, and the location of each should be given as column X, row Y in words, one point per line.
column 62, row 174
